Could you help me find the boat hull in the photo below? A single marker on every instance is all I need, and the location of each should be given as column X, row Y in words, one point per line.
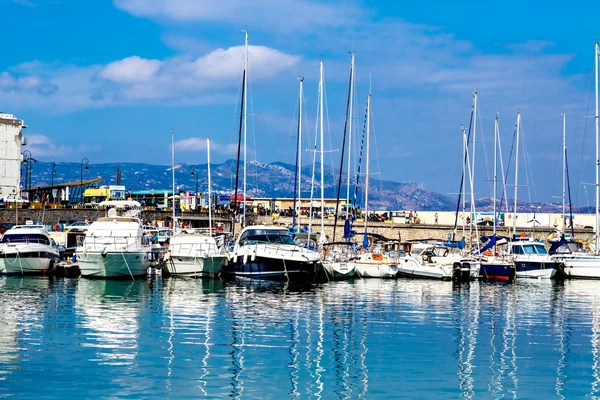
column 26, row 265
column 376, row 270
column 27, row 261
column 497, row 271
column 537, row 269
column 581, row 268
column 112, row 264
column 275, row 269
column 411, row 269
column 196, row 267
column 339, row 270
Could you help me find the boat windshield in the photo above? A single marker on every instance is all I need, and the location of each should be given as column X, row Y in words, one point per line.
column 25, row 238
column 534, row 249
column 255, row 236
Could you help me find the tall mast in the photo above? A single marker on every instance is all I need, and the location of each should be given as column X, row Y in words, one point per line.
column 564, row 174
column 351, row 115
column 517, row 171
column 209, row 191
column 596, row 54
column 300, row 151
column 173, row 173
column 322, row 237
column 472, row 168
column 495, row 220
column 464, row 177
column 366, row 217
column 245, row 119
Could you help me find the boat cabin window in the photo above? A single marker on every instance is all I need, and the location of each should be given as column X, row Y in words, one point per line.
column 255, row 236
column 25, row 238
column 529, row 249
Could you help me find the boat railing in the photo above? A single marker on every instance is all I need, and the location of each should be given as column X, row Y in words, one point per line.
column 25, row 240
column 111, row 242
column 193, row 248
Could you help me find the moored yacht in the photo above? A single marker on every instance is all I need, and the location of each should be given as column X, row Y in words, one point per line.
column 193, row 255
column 376, row 262
column 338, row 260
column 27, row 250
column 418, row 263
column 113, row 246
column 577, row 262
column 495, row 266
column 532, row 259
column 269, row 252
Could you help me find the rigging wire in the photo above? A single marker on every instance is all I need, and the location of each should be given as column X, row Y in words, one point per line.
column 583, row 141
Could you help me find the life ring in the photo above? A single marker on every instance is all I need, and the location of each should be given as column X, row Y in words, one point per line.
column 56, row 228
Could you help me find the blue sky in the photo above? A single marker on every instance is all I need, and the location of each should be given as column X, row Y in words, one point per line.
column 108, row 80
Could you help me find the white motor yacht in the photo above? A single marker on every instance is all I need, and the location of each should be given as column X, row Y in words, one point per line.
column 27, row 250
column 113, row 246
column 532, row 259
column 269, row 252
column 193, row 255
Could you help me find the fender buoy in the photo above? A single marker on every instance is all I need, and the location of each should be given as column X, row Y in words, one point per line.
column 56, row 228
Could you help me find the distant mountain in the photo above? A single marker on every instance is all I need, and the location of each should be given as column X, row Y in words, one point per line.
column 263, row 180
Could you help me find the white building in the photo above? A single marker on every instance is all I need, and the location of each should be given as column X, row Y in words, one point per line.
column 11, row 140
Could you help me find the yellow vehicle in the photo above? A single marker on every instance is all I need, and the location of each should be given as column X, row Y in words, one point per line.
column 94, row 196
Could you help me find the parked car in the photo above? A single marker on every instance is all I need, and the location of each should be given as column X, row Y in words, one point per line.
column 77, row 226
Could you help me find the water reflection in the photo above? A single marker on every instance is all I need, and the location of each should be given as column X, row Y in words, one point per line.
column 21, row 300
column 109, row 317
column 179, row 338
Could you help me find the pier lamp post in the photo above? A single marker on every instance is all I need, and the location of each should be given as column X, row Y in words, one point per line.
column 52, row 184
column 26, row 157
column 86, row 169
column 194, row 172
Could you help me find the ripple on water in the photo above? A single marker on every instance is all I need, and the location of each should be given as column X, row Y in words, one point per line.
column 184, row 338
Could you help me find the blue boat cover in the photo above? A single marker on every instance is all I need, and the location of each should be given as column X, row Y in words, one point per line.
column 556, row 244
column 365, row 241
column 456, row 245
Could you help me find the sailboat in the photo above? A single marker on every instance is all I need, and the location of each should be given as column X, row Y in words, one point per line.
column 266, row 252
column 373, row 262
column 577, row 262
column 494, row 266
column 530, row 257
column 195, row 255
column 337, row 257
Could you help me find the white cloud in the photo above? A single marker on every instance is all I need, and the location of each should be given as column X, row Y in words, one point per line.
column 199, row 144
column 43, row 147
column 211, row 78
column 131, row 69
column 283, row 15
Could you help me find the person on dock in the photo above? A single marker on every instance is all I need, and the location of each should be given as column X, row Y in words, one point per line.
column 410, row 217
column 435, row 216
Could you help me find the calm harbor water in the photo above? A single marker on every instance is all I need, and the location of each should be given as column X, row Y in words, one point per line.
column 177, row 338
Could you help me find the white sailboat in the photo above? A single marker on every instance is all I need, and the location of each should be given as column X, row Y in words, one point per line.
column 374, row 262
column 337, row 258
column 195, row 255
column 578, row 263
column 530, row 257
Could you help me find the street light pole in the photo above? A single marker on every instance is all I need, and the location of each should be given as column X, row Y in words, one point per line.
column 52, row 184
column 194, row 172
column 86, row 162
column 27, row 157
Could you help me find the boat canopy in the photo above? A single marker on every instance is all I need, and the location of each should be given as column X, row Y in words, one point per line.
column 120, row 204
column 455, row 245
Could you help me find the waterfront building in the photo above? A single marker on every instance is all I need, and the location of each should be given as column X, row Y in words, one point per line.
column 11, row 141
